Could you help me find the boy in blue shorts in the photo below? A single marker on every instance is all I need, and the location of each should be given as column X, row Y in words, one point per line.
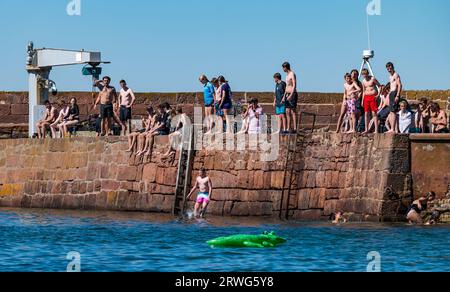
column 279, row 104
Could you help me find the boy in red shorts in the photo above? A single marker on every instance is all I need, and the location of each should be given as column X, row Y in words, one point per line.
column 370, row 94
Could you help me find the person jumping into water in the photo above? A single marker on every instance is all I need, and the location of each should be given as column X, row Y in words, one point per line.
column 204, row 184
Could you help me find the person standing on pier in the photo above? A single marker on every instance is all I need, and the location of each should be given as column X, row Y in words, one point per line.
column 226, row 102
column 394, row 96
column 370, row 94
column 278, row 104
column 208, row 95
column 291, row 98
column 107, row 98
column 126, row 101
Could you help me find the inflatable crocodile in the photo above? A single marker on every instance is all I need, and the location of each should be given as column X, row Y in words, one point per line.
column 265, row 240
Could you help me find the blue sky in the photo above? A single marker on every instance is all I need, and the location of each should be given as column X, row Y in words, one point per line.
column 165, row 45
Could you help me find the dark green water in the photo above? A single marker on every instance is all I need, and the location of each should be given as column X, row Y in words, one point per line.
column 40, row 241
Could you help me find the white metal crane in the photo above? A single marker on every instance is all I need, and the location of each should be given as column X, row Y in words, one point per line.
column 39, row 65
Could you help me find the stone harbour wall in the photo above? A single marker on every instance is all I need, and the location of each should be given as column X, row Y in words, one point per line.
column 368, row 177
column 14, row 105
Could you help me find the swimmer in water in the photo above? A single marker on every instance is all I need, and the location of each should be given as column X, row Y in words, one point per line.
column 204, row 184
column 419, row 206
column 338, row 218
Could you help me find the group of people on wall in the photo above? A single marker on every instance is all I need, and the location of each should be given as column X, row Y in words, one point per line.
column 369, row 106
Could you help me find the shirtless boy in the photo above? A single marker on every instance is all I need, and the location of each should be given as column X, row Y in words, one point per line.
column 107, row 98
column 126, row 101
column 290, row 98
column 370, row 94
column 438, row 119
column 205, row 187
column 351, row 90
column 394, row 96
column 49, row 118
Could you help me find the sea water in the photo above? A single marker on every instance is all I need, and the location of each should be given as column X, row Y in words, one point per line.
column 38, row 240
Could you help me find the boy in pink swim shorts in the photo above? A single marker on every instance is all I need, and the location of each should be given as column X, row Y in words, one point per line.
column 204, row 184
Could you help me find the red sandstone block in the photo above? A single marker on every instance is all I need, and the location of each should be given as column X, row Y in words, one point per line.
column 127, row 173
column 19, row 109
column 5, row 109
column 111, row 200
column 160, row 175
column 241, row 209
column 216, row 208
column 228, row 206
column 320, row 179
column 110, row 185
column 228, row 194
column 223, row 180
column 303, row 199
column 311, row 182
column 307, row 215
column 149, row 172
column 93, row 171
column 256, row 196
column 277, row 179
column 100, row 201
column 258, row 180
column 170, row 176
column 335, row 179
column 155, row 203
column 121, row 200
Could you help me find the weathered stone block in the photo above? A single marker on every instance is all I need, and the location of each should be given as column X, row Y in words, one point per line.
column 304, row 198
column 127, row 173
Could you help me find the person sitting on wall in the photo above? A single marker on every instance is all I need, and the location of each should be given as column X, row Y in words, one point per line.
column 71, row 119
column 64, row 109
column 423, row 116
column 205, row 186
column 175, row 138
column 49, row 118
column 418, row 206
column 439, row 119
column 244, row 115
column 137, row 138
column 404, row 118
column 161, row 128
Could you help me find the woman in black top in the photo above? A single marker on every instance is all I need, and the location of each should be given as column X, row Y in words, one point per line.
column 72, row 118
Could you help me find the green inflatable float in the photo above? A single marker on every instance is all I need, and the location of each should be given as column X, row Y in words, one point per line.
column 265, row 240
